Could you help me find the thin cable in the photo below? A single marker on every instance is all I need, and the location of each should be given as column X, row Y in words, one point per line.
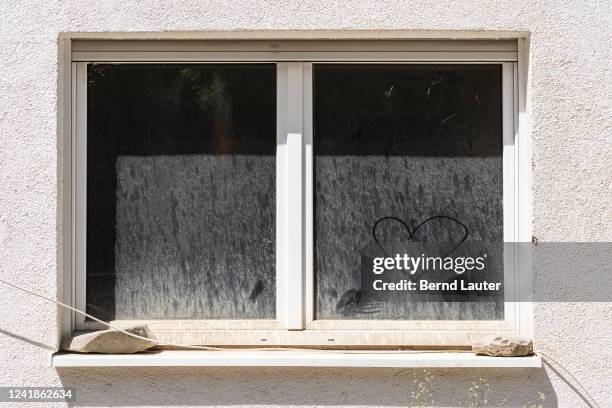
column 156, row 341
column 207, row 348
column 547, row 357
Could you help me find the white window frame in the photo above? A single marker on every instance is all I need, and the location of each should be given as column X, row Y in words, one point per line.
column 295, row 324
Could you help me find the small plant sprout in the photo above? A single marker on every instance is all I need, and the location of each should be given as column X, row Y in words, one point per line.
column 541, row 398
column 479, row 394
column 421, row 395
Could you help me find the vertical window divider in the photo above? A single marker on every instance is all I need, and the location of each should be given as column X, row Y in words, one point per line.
column 290, row 202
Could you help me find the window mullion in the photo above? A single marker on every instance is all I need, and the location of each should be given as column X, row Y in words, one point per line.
column 290, row 156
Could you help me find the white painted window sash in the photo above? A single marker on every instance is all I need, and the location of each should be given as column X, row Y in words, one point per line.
column 79, row 180
column 510, row 216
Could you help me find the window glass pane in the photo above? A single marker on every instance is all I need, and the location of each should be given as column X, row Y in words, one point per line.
column 181, row 191
column 408, row 157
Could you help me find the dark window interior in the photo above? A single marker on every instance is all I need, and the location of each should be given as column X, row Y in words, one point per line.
column 181, row 191
column 414, row 143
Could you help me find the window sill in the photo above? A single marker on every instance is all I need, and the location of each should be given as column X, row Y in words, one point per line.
column 292, row 358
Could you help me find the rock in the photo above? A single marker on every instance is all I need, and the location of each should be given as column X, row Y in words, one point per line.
column 111, row 341
column 503, row 346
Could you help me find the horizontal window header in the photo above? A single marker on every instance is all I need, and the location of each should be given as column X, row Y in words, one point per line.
column 294, row 50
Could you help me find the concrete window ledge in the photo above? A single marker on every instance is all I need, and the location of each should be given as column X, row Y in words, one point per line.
column 291, row 358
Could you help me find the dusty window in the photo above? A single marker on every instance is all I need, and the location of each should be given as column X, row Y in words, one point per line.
column 249, row 193
column 404, row 154
column 181, row 191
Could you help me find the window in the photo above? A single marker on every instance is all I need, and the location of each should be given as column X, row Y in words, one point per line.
column 238, row 193
column 417, row 149
column 181, row 191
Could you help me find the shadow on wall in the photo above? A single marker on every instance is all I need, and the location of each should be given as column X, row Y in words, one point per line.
column 302, row 386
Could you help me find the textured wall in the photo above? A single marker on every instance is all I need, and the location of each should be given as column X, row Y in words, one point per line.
column 568, row 107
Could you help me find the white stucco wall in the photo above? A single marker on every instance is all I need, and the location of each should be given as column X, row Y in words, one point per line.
column 568, row 108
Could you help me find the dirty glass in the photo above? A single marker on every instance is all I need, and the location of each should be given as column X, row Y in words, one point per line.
column 181, row 191
column 406, row 156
